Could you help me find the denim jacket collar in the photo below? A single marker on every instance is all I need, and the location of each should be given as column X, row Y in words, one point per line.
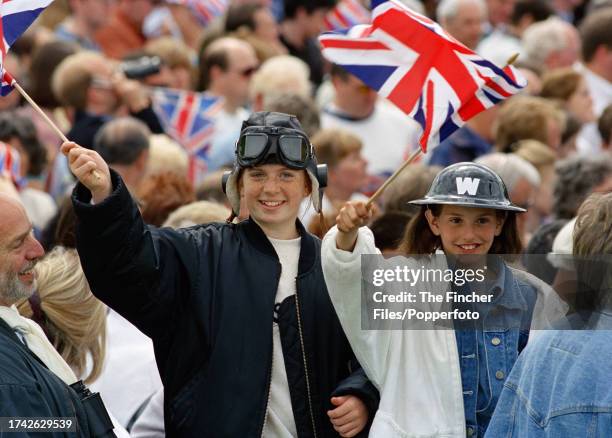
column 507, row 290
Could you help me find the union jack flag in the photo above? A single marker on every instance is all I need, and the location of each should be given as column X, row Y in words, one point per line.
column 189, row 118
column 10, row 164
column 417, row 65
column 347, row 13
column 204, row 10
column 6, row 84
column 16, row 16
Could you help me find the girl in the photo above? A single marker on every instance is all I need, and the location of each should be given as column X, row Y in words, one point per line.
column 246, row 340
column 438, row 382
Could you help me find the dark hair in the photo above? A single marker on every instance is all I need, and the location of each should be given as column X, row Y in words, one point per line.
column 45, row 60
column 15, row 126
column 419, row 239
column 339, row 71
column 541, row 243
column 122, row 140
column 604, row 124
column 389, row 228
column 572, row 127
column 539, row 10
column 576, row 178
column 595, row 31
column 241, row 15
column 291, row 6
column 208, row 59
column 61, row 229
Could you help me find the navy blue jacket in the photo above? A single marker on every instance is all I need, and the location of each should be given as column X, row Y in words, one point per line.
column 205, row 295
column 29, row 389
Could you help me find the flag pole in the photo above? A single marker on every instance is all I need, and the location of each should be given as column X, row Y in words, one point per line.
column 389, row 180
column 39, row 111
column 414, row 155
column 46, row 118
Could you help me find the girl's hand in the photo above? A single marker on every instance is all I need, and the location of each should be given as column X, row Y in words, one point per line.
column 352, row 216
column 90, row 169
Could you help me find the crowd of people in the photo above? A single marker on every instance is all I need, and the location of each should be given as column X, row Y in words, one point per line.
column 215, row 289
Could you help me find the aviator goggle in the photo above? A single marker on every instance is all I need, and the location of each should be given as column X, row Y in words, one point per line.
column 258, row 142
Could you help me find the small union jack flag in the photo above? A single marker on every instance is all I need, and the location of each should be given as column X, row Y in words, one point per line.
column 16, row 16
column 10, row 163
column 204, row 10
column 189, row 118
column 347, row 13
column 417, row 65
column 7, row 83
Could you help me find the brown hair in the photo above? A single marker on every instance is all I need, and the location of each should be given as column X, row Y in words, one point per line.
column 593, row 244
column 333, row 145
column 419, row 239
column 161, row 194
column 604, row 124
column 73, row 76
column 595, row 31
column 593, row 229
column 408, row 186
column 524, row 117
column 560, row 83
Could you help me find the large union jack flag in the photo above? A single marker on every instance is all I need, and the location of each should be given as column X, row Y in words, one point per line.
column 417, row 65
column 204, row 10
column 16, row 16
column 189, row 118
column 347, row 13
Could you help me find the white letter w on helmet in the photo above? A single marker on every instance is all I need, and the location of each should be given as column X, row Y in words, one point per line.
column 467, row 185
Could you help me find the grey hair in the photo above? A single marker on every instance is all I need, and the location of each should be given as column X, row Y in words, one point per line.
column 199, row 212
column 576, row 178
column 511, row 169
column 448, row 9
column 543, row 38
column 280, row 75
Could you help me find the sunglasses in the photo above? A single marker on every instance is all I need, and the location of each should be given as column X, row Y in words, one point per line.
column 247, row 72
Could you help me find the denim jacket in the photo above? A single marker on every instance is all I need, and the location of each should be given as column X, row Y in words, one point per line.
column 488, row 351
column 559, row 387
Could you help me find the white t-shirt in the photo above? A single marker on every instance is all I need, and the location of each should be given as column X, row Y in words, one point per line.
column 280, row 422
column 388, row 135
column 130, row 373
column 589, row 140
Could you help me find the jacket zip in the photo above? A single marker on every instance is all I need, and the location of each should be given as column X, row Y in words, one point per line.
column 299, row 319
column 263, row 426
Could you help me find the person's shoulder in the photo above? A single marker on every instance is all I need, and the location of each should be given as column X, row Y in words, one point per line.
column 14, row 369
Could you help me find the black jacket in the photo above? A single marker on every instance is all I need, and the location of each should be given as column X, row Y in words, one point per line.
column 205, row 295
column 29, row 389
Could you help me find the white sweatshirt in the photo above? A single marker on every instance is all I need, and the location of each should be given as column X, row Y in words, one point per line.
column 416, row 371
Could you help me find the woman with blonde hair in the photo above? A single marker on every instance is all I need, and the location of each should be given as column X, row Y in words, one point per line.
column 72, row 318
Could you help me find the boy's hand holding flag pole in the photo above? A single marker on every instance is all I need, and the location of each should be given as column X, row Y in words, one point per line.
column 423, row 70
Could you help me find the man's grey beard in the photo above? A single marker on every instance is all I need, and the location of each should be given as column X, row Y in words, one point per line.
column 13, row 290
